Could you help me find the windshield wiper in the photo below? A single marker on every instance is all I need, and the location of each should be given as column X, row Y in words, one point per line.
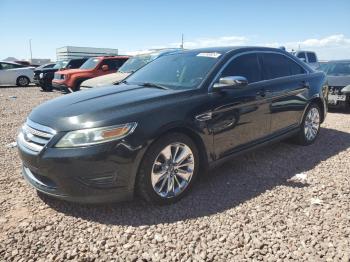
column 148, row 84
column 121, row 82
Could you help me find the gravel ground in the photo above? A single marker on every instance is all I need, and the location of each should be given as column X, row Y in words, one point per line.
column 279, row 203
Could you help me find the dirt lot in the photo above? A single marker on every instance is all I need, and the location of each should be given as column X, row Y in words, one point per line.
column 253, row 208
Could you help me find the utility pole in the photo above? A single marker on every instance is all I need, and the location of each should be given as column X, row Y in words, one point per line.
column 182, row 41
column 30, row 49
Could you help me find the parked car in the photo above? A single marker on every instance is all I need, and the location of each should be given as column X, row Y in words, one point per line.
column 130, row 66
column 168, row 122
column 322, row 66
column 70, row 80
column 338, row 74
column 15, row 74
column 308, row 57
column 43, row 76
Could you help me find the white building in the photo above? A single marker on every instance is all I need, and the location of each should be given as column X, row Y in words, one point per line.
column 69, row 52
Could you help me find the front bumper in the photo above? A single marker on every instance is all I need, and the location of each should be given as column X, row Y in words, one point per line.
column 60, row 86
column 95, row 174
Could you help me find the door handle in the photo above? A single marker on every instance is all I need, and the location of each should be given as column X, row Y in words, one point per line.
column 261, row 93
column 305, row 84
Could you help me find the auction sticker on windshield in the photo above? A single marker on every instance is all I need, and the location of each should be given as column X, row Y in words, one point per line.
column 212, row 54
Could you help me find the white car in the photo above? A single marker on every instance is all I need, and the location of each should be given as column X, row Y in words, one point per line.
column 15, row 74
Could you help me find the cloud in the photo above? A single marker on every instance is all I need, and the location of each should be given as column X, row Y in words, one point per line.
column 329, row 47
column 335, row 46
column 209, row 42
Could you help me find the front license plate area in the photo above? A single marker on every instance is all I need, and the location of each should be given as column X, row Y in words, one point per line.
column 332, row 99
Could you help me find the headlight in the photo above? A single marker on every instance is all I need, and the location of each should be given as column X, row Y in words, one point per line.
column 41, row 75
column 92, row 136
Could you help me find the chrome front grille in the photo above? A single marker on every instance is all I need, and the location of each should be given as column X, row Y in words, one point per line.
column 34, row 137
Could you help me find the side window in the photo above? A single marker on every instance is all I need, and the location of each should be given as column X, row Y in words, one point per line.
column 301, row 55
column 295, row 69
column 75, row 63
column 244, row 65
column 311, row 57
column 119, row 62
column 275, row 66
column 6, row 66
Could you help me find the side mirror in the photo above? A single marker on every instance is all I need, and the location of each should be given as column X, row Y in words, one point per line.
column 105, row 68
column 231, row 82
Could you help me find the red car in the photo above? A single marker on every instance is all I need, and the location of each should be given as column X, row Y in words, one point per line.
column 70, row 80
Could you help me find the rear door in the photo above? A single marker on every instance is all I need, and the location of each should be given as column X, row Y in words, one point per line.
column 286, row 90
column 239, row 116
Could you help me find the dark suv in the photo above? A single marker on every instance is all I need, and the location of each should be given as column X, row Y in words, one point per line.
column 158, row 130
column 43, row 76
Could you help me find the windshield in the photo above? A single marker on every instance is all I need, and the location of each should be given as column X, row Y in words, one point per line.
column 176, row 71
column 338, row 69
column 323, row 67
column 135, row 63
column 60, row 64
column 90, row 63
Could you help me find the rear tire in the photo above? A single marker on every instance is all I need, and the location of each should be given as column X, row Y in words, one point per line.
column 310, row 126
column 22, row 81
column 168, row 170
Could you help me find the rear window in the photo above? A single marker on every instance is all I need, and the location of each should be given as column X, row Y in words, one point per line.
column 76, row 63
column 114, row 64
column 275, row 66
column 311, row 57
column 301, row 55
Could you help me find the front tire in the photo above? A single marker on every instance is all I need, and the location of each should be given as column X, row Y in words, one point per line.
column 22, row 81
column 310, row 126
column 168, row 170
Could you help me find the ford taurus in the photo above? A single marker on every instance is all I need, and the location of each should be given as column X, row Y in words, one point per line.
column 158, row 130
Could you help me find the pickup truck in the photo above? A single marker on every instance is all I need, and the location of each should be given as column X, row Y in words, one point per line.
column 308, row 57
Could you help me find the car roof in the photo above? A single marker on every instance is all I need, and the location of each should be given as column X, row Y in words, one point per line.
column 9, row 62
column 111, row 57
column 228, row 49
column 339, row 61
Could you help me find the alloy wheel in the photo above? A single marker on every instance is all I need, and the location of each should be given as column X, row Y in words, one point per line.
column 312, row 124
column 172, row 170
column 22, row 81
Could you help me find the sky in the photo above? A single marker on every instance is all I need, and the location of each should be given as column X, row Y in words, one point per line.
column 131, row 26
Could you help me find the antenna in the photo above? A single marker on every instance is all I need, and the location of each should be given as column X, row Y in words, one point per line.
column 30, row 49
column 182, row 41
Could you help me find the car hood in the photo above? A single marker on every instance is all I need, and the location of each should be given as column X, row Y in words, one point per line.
column 108, row 79
column 97, row 107
column 45, row 70
column 23, row 68
column 338, row 80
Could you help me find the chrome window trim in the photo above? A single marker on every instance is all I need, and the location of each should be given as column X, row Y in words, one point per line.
column 307, row 70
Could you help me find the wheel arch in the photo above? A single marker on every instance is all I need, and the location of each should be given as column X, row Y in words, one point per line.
column 321, row 105
column 22, row 76
column 192, row 134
